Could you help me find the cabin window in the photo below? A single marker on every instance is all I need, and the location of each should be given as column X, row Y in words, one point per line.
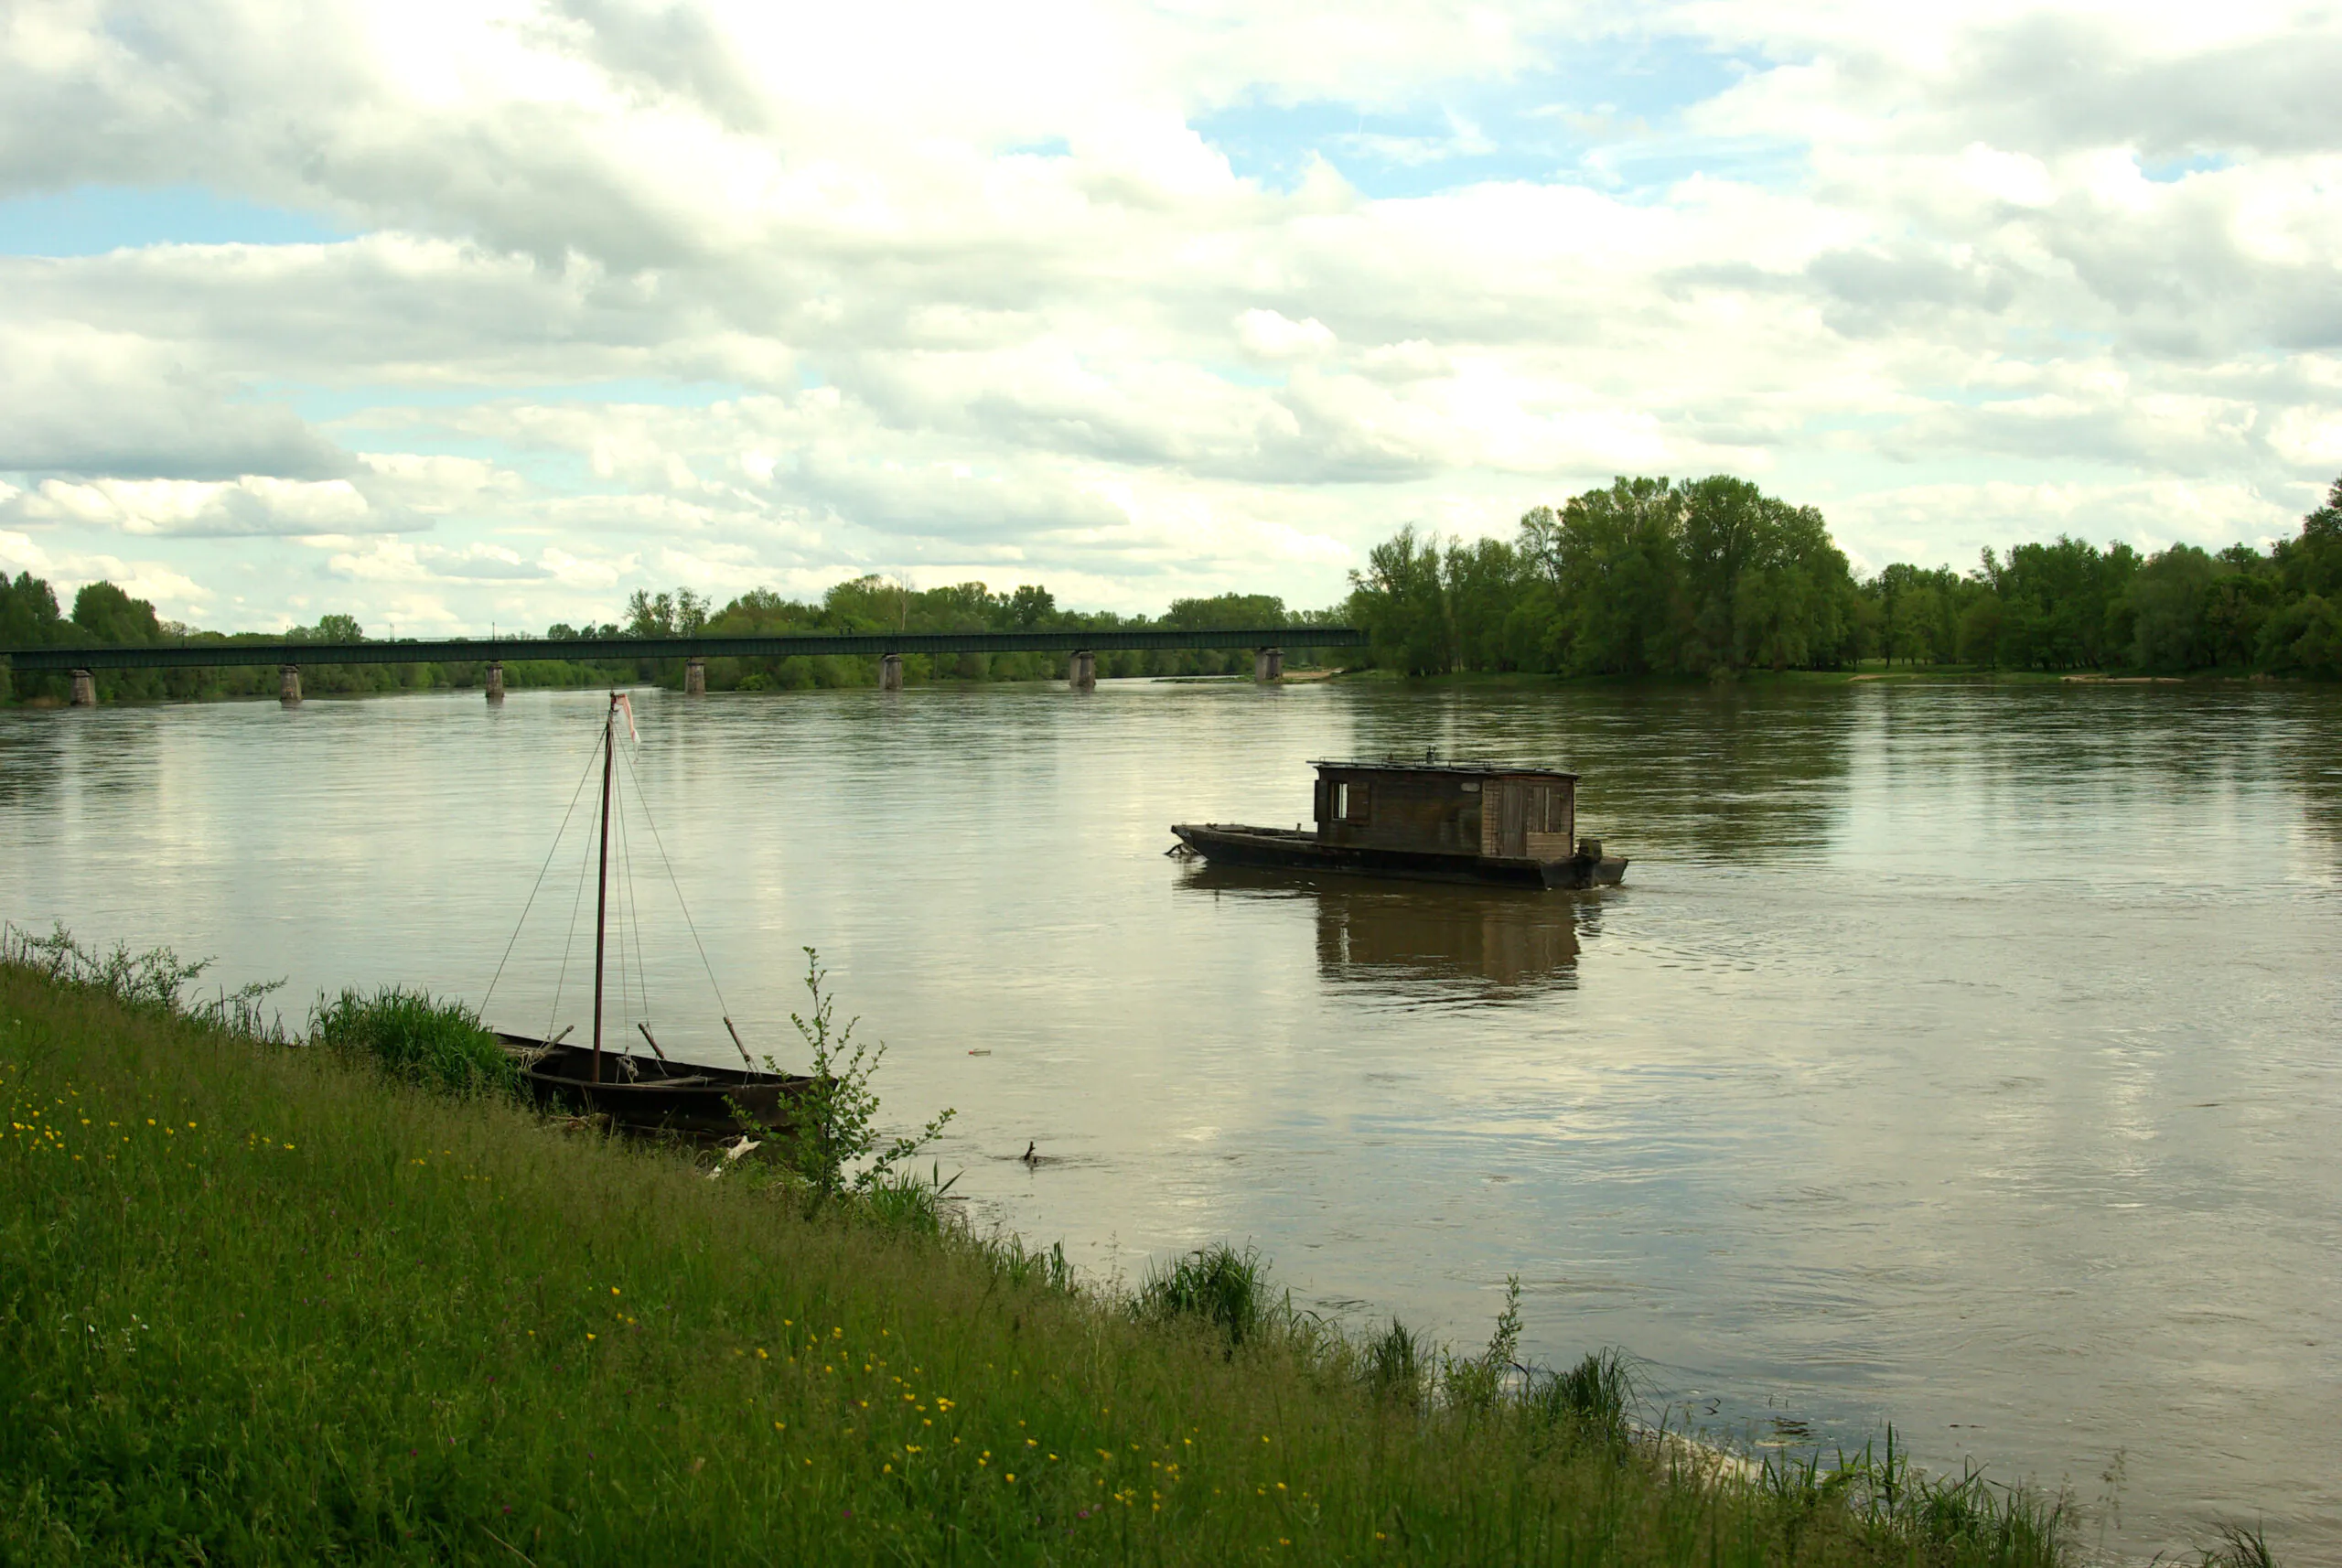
column 1349, row 802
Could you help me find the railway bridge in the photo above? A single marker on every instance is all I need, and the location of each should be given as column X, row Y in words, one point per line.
column 1081, row 648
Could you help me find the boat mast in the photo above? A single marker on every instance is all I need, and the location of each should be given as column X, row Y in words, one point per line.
column 602, row 892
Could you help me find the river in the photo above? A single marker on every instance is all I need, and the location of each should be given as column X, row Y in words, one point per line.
column 1963, row 1057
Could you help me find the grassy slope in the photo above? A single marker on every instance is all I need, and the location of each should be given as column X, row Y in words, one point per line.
column 257, row 1305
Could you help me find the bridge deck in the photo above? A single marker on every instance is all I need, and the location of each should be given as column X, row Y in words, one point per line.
column 515, row 650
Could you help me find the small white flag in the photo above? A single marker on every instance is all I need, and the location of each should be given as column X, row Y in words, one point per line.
column 622, row 701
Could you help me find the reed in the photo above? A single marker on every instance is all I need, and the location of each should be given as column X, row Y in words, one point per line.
column 1218, row 1286
column 2240, row 1546
column 261, row 1305
column 1595, row 1399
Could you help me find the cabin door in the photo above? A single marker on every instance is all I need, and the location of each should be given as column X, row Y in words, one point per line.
column 1512, row 820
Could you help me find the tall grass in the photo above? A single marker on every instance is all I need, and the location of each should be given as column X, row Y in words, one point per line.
column 1593, row 1400
column 257, row 1305
column 1218, row 1286
column 430, row 1042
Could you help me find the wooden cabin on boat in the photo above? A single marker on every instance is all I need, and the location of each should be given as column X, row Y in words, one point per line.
column 1454, row 808
column 1468, row 822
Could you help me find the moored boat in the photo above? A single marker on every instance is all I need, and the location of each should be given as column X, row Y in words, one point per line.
column 653, row 1094
column 1449, row 822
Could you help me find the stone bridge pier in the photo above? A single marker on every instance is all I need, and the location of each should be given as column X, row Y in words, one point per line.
column 288, row 685
column 85, row 689
column 496, row 682
column 695, row 677
column 1268, row 664
column 890, row 673
column 1081, row 673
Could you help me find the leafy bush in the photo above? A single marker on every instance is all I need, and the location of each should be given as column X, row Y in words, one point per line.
column 1478, row 1382
column 830, row 1126
column 434, row 1042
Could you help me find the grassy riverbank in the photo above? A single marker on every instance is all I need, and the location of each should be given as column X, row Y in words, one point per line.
column 259, row 1303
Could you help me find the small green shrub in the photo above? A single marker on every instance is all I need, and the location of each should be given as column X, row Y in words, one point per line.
column 1479, row 1382
column 829, row 1124
column 433, row 1042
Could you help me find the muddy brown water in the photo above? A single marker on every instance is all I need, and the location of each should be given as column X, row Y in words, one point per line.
column 1958, row 1055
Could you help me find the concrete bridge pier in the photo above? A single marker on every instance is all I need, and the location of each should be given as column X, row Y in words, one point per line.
column 496, row 682
column 288, row 690
column 85, row 689
column 1081, row 673
column 1268, row 664
column 890, row 673
column 695, row 677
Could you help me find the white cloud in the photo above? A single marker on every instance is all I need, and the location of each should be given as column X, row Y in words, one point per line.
column 1269, row 336
column 749, row 295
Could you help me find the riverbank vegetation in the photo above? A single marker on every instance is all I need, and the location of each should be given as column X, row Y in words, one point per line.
column 263, row 1301
column 1713, row 577
column 1648, row 578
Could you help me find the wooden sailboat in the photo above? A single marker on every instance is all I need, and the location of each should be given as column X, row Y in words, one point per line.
column 648, row 1095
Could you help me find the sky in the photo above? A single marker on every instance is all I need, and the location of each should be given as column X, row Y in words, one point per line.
column 453, row 316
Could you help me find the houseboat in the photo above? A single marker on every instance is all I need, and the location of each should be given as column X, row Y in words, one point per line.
column 1452, row 821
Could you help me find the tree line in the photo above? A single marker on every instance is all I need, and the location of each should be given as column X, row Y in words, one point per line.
column 104, row 615
column 875, row 604
column 1713, row 577
column 1647, row 578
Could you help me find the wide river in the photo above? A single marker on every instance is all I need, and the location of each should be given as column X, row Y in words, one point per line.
column 1959, row 1056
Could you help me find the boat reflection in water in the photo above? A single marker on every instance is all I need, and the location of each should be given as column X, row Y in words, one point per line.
column 1415, row 941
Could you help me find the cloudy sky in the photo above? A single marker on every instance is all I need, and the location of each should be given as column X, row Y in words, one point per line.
column 445, row 314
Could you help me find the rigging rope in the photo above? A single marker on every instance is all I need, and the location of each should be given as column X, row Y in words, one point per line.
column 642, row 800
column 569, row 943
column 632, row 916
column 551, row 850
column 634, row 913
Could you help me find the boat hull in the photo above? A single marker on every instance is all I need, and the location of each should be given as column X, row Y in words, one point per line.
column 1286, row 850
column 646, row 1096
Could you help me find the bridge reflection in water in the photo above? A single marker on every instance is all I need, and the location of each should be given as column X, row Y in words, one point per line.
column 1426, row 941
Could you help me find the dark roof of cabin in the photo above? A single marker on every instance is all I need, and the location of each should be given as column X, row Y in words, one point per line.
column 1472, row 769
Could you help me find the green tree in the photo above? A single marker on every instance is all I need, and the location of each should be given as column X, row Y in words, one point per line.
column 1483, row 581
column 1610, row 559
column 110, row 616
column 1401, row 601
column 1980, row 627
column 2311, row 562
column 28, row 613
column 1031, row 606
column 2235, row 609
column 2303, row 638
column 2166, row 597
column 1727, row 531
